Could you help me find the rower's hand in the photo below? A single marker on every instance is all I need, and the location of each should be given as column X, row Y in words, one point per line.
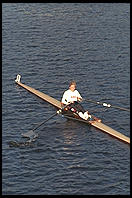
column 79, row 99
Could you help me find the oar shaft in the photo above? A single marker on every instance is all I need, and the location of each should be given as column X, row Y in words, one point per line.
column 121, row 108
column 106, row 105
column 46, row 120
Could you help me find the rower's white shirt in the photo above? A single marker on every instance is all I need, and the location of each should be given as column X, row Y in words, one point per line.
column 70, row 96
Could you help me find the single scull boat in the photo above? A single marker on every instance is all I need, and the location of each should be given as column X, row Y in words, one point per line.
column 57, row 104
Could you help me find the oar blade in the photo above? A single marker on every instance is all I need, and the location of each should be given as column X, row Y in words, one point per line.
column 30, row 134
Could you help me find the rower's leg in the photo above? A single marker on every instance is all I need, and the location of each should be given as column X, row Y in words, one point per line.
column 90, row 117
column 78, row 107
column 81, row 115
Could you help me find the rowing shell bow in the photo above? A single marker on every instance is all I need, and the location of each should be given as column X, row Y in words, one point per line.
column 57, row 104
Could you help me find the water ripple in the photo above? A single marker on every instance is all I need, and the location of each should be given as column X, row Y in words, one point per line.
column 50, row 44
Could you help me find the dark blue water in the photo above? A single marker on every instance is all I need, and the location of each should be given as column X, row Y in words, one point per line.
column 50, row 44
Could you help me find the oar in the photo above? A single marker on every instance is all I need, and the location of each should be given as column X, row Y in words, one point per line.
column 106, row 105
column 31, row 133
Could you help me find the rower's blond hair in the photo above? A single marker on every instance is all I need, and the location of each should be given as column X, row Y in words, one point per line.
column 73, row 82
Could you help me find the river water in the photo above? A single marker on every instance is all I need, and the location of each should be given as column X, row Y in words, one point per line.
column 50, row 44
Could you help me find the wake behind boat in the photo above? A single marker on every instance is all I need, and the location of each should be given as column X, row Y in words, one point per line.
column 57, row 105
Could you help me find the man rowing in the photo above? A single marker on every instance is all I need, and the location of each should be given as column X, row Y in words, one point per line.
column 71, row 98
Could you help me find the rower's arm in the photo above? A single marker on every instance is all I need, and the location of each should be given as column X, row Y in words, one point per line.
column 62, row 104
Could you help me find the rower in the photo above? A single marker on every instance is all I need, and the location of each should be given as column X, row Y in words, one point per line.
column 71, row 98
